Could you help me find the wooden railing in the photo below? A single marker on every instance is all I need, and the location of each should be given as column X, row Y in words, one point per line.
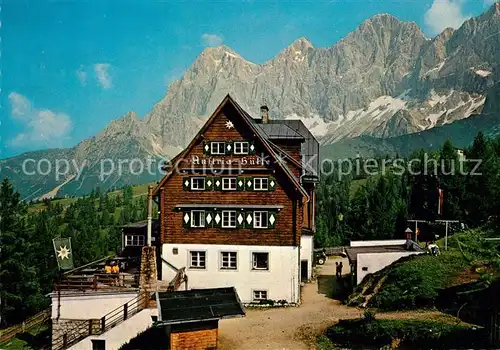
column 98, row 326
column 98, row 282
column 9, row 333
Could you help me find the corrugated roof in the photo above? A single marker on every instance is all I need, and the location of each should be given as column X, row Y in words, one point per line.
column 198, row 305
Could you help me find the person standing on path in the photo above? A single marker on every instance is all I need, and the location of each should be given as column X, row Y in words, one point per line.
column 338, row 270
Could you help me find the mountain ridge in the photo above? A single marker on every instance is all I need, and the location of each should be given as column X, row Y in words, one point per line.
column 384, row 79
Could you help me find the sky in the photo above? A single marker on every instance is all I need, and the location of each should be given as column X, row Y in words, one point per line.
column 70, row 67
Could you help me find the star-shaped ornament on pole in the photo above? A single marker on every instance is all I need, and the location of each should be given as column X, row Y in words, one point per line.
column 229, row 124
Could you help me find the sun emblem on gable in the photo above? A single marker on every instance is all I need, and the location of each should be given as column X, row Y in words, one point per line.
column 229, row 124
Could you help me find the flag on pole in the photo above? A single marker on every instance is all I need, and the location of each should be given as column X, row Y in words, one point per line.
column 440, row 201
column 64, row 254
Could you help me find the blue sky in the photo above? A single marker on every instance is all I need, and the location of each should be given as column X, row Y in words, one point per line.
column 69, row 67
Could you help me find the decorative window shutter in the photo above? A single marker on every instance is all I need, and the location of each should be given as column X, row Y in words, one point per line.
column 186, row 218
column 272, row 217
column 209, row 218
column 251, row 147
column 240, row 219
column 217, row 183
column 186, row 183
column 217, row 218
column 240, row 183
column 206, row 148
column 229, row 145
column 249, row 219
column 271, row 184
column 209, row 183
column 249, row 183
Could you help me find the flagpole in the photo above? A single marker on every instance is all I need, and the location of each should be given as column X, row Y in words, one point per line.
column 59, row 272
column 446, row 231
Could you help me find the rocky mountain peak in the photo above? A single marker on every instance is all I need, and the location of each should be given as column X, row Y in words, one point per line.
column 125, row 121
column 301, row 44
column 495, row 10
column 219, row 54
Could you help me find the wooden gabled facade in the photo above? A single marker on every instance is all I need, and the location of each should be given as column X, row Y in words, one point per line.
column 237, row 187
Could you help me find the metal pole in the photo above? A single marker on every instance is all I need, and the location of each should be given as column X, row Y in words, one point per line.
column 446, row 231
column 416, row 233
column 59, row 295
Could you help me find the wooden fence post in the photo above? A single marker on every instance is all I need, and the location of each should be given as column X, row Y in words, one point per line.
column 125, row 311
column 103, row 324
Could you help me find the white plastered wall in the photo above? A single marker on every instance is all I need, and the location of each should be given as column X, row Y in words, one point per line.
column 90, row 306
column 374, row 262
column 281, row 281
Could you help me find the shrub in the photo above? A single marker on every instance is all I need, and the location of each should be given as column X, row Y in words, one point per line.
column 369, row 316
column 415, row 282
column 410, row 333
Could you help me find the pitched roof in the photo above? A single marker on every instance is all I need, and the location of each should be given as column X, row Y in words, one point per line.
column 198, row 305
column 258, row 132
column 294, row 129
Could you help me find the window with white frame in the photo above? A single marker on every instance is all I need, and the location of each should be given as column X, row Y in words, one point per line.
column 217, row 147
column 228, row 261
column 198, row 183
column 259, row 295
column 260, row 219
column 229, row 184
column 260, row 183
column 241, row 147
column 197, row 218
column 198, row 260
column 260, row 261
column 134, row 240
column 228, row 218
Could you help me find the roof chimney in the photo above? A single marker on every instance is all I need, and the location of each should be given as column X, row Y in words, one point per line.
column 264, row 114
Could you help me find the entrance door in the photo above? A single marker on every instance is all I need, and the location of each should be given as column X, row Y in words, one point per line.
column 303, row 270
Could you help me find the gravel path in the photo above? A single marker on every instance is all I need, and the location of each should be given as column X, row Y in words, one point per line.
column 289, row 328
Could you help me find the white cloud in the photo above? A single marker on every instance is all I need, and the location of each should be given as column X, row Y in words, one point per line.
column 211, row 39
column 443, row 14
column 81, row 75
column 42, row 126
column 102, row 74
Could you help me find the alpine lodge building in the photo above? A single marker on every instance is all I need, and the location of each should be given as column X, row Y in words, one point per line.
column 237, row 206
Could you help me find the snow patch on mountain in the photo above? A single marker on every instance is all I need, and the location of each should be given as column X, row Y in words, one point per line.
column 436, row 69
column 482, row 73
